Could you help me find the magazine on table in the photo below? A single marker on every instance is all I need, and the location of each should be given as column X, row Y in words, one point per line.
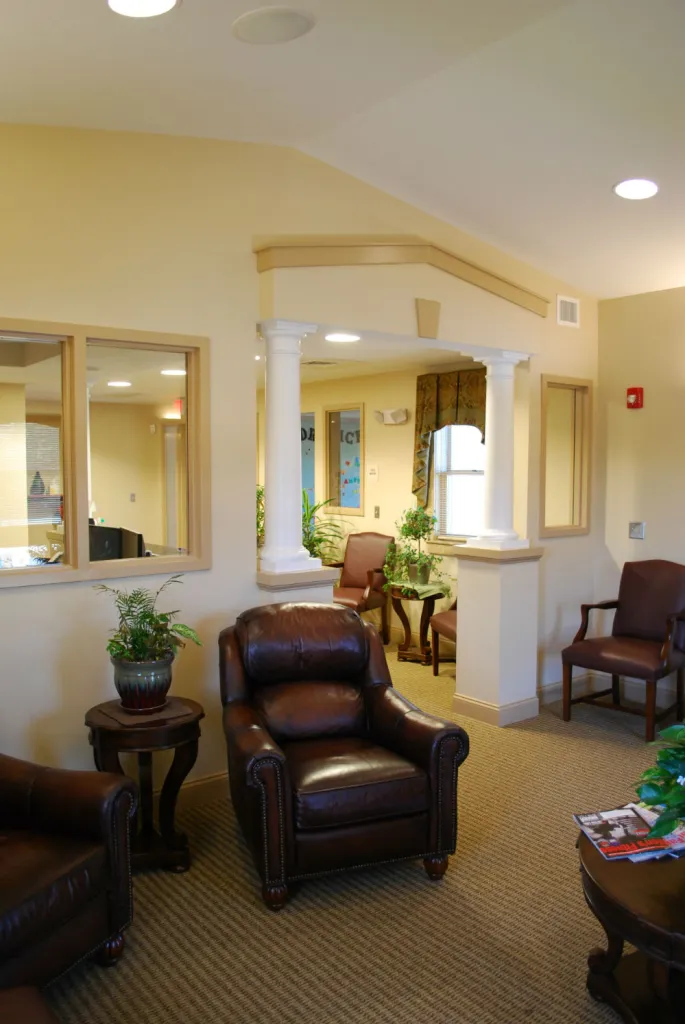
column 623, row 833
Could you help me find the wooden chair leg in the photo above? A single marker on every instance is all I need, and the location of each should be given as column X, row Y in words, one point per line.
column 435, row 641
column 650, row 711
column 680, row 680
column 566, row 688
column 385, row 622
column 616, row 690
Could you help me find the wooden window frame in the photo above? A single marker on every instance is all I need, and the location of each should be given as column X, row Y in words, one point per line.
column 75, row 339
column 583, row 471
column 335, row 509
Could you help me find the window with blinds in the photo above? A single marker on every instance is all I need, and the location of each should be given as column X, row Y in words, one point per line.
column 458, row 481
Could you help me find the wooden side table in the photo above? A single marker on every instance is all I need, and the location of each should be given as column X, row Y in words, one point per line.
column 406, row 651
column 644, row 905
column 113, row 730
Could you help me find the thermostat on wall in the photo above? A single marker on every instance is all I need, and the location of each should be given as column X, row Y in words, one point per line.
column 636, row 531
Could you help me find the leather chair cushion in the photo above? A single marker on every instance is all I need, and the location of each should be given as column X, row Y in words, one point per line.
column 621, row 656
column 650, row 591
column 294, row 711
column 351, row 597
column 44, row 881
column 445, row 623
column 297, row 642
column 343, row 781
column 24, row 1006
column 364, row 551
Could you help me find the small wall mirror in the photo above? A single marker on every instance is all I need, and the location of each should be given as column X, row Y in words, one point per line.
column 345, row 460
column 565, row 456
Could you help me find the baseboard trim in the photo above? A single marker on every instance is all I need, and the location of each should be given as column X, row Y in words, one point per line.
column 496, row 714
column 206, row 790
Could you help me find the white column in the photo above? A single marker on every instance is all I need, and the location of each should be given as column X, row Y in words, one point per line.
column 498, row 516
column 283, row 551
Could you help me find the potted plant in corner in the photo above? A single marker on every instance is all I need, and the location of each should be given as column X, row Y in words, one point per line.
column 319, row 536
column 143, row 646
column 416, row 525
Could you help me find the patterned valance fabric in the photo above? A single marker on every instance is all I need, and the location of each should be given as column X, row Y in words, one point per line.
column 444, row 399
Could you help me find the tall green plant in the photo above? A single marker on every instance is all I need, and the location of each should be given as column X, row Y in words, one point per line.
column 319, row 536
column 663, row 785
column 143, row 633
column 260, row 517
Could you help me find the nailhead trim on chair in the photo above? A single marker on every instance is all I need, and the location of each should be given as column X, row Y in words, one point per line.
column 265, row 835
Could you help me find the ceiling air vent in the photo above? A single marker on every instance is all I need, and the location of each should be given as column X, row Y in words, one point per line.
column 568, row 311
column 318, row 362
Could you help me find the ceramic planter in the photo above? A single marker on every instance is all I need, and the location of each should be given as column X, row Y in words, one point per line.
column 419, row 573
column 142, row 685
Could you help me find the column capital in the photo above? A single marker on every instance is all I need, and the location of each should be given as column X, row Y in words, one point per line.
column 285, row 329
column 501, row 364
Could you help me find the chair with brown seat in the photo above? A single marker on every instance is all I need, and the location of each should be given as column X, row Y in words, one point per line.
column 443, row 624
column 65, row 871
column 330, row 768
column 362, row 579
column 647, row 640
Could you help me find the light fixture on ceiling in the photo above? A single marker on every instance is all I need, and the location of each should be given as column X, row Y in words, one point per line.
column 342, row 337
column 636, row 188
column 173, row 373
column 142, row 8
column 258, row 358
column 118, row 383
column 269, row 25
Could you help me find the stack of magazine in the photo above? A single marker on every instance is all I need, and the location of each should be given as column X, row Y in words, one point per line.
column 622, row 834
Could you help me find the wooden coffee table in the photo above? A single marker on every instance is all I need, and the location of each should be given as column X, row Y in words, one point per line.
column 114, row 731
column 643, row 904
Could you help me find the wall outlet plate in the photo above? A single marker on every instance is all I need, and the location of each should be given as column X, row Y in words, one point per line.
column 376, row 511
column 636, row 531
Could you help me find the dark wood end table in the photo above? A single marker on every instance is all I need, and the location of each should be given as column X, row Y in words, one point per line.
column 406, row 651
column 177, row 726
column 643, row 904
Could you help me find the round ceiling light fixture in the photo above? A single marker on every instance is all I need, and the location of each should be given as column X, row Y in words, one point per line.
column 173, row 373
column 342, row 337
column 257, row 358
column 636, row 188
column 118, row 383
column 142, row 8
column 269, row 25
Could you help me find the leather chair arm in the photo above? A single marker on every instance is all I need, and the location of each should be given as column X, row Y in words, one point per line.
column 249, row 742
column 585, row 610
column 83, row 803
column 371, row 575
column 400, row 726
column 669, row 642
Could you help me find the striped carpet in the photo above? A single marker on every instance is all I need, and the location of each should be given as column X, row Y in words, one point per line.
column 502, row 940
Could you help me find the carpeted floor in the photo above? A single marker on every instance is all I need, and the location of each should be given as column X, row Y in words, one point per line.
column 502, row 940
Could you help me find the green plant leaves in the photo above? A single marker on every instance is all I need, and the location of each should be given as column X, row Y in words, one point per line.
column 674, row 734
column 144, row 634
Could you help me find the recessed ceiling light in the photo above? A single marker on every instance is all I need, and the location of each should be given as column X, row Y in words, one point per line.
column 258, row 358
column 342, row 337
column 118, row 383
column 272, row 25
column 173, row 373
column 142, row 8
column 636, row 188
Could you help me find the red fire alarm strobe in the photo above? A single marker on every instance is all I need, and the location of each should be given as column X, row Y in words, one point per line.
column 634, row 398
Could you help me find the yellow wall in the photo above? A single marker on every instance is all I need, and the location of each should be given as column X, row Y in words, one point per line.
column 642, row 343
column 13, row 488
column 156, row 233
column 126, row 459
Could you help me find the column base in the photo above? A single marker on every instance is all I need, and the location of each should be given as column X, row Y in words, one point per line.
column 496, row 714
column 288, row 562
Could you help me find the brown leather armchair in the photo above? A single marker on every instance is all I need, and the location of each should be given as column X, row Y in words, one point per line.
column 65, row 869
column 362, row 579
column 443, row 624
column 330, row 768
column 647, row 640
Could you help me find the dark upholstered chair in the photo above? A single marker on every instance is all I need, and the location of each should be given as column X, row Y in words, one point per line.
column 442, row 624
column 65, row 869
column 330, row 768
column 362, row 579
column 647, row 640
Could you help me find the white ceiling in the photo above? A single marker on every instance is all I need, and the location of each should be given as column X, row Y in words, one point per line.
column 509, row 118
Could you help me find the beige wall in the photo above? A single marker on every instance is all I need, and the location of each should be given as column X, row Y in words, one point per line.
column 642, row 343
column 13, row 488
column 156, row 233
column 126, row 459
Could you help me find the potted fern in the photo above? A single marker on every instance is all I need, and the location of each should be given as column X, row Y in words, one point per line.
column 143, row 646
column 662, row 787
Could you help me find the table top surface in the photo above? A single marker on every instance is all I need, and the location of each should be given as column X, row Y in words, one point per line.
column 415, row 591
column 178, row 711
column 652, row 891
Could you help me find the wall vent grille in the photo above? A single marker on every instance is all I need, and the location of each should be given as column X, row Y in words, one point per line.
column 568, row 311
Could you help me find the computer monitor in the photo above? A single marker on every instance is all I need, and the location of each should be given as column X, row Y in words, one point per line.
column 114, row 542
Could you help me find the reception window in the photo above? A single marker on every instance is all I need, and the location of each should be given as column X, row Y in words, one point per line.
column 104, row 454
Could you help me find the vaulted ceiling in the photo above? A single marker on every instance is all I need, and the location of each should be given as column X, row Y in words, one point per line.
column 511, row 119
